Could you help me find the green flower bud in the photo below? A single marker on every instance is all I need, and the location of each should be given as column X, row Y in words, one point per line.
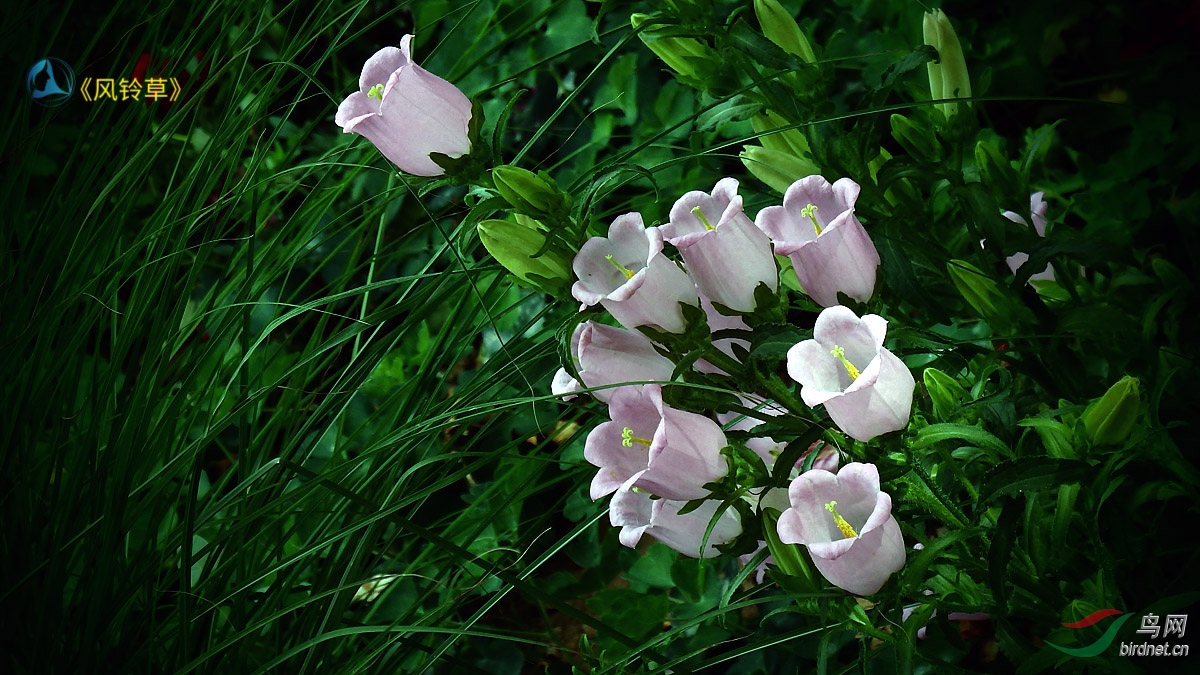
column 513, row 244
column 530, row 193
column 791, row 559
column 919, row 141
column 777, row 169
column 996, row 170
column 948, row 74
column 780, row 28
column 986, row 297
column 1109, row 419
column 946, row 392
column 791, row 141
column 686, row 56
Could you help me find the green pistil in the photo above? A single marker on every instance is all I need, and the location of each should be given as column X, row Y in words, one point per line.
column 628, row 439
column 841, row 354
column 811, row 212
column 376, row 92
column 624, row 270
column 846, row 528
column 700, row 215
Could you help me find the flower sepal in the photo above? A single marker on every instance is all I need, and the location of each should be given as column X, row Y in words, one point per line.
column 472, row 167
column 695, row 338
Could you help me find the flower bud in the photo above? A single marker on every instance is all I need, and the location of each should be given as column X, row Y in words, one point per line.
column 997, row 171
column 791, row 559
column 683, row 55
column 777, row 169
column 530, row 193
column 946, row 392
column 791, row 141
column 919, row 141
column 1109, row 419
column 780, row 28
column 513, row 244
column 948, row 75
column 986, row 297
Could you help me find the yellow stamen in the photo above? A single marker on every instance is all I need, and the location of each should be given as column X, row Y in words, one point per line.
column 841, row 354
column 624, row 270
column 811, row 212
column 376, row 92
column 700, row 215
column 628, row 439
column 846, row 528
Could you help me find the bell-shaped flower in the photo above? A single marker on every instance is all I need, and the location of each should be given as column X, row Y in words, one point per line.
column 607, row 355
column 407, row 112
column 846, row 523
column 726, row 255
column 865, row 388
column 666, row 452
column 1037, row 213
column 636, row 514
column 829, row 248
column 628, row 274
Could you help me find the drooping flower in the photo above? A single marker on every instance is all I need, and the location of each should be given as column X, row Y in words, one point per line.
column 1037, row 213
column 407, row 112
column 865, row 388
column 666, row 452
column 628, row 274
column 846, row 523
column 829, row 248
column 606, row 355
column 636, row 514
column 726, row 255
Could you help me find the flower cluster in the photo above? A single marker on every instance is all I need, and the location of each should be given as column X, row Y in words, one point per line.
column 675, row 474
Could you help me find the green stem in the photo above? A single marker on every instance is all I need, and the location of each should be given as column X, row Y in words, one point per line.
column 940, row 495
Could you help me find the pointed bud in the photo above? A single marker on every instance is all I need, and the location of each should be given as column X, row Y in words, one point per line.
column 791, row 141
column 1109, row 419
column 946, row 392
column 513, row 244
column 686, row 56
column 948, row 75
column 791, row 559
column 780, row 28
column 775, row 168
column 986, row 297
column 997, row 172
column 530, row 193
column 919, row 141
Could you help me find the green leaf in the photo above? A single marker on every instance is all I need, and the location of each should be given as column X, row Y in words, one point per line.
column 936, row 433
column 1032, row 474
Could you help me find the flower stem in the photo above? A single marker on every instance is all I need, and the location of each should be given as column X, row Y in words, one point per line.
column 941, row 496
